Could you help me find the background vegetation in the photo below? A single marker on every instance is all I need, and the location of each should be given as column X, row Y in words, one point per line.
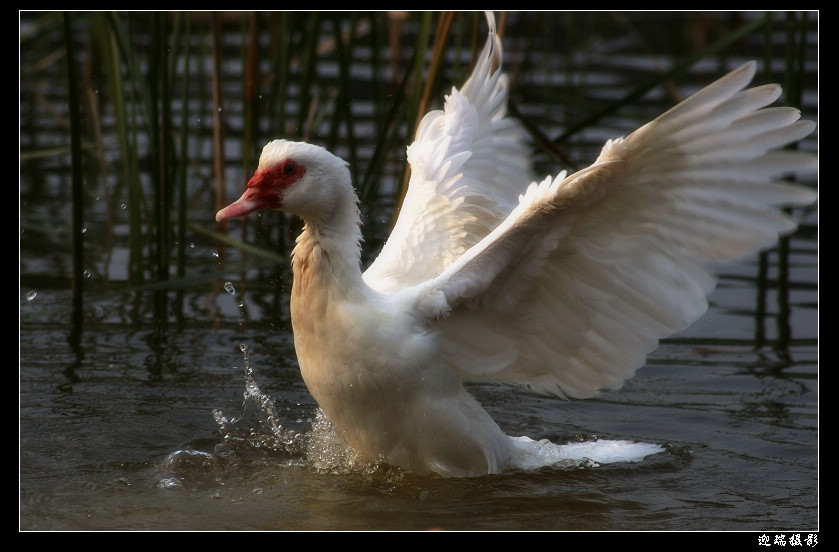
column 140, row 125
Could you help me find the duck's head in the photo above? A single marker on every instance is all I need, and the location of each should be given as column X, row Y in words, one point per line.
column 295, row 177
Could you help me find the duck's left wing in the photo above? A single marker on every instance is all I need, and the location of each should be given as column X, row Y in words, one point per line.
column 574, row 289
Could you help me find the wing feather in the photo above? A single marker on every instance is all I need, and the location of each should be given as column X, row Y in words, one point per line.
column 589, row 272
column 468, row 162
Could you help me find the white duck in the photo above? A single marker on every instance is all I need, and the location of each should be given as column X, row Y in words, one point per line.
column 562, row 286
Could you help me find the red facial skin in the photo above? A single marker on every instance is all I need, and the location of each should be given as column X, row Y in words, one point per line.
column 265, row 189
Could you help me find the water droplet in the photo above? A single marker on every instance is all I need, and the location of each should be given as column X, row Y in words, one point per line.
column 228, row 287
column 215, row 254
column 192, row 245
column 123, row 206
column 169, row 483
column 31, row 295
column 219, row 109
column 84, row 230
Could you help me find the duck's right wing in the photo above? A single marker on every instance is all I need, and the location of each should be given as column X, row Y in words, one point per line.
column 469, row 162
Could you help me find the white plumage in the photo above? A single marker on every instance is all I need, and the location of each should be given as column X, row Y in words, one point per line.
column 563, row 285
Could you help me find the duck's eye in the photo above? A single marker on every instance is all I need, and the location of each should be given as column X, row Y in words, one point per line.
column 290, row 168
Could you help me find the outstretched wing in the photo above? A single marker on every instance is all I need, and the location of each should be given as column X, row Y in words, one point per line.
column 589, row 272
column 468, row 164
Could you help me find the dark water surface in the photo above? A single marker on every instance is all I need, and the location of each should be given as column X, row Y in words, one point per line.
column 154, row 424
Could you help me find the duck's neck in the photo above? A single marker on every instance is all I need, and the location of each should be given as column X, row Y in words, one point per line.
column 327, row 255
column 327, row 281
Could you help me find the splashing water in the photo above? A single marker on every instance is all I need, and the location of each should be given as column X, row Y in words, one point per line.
column 229, row 288
column 259, row 427
column 258, row 424
column 328, row 452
